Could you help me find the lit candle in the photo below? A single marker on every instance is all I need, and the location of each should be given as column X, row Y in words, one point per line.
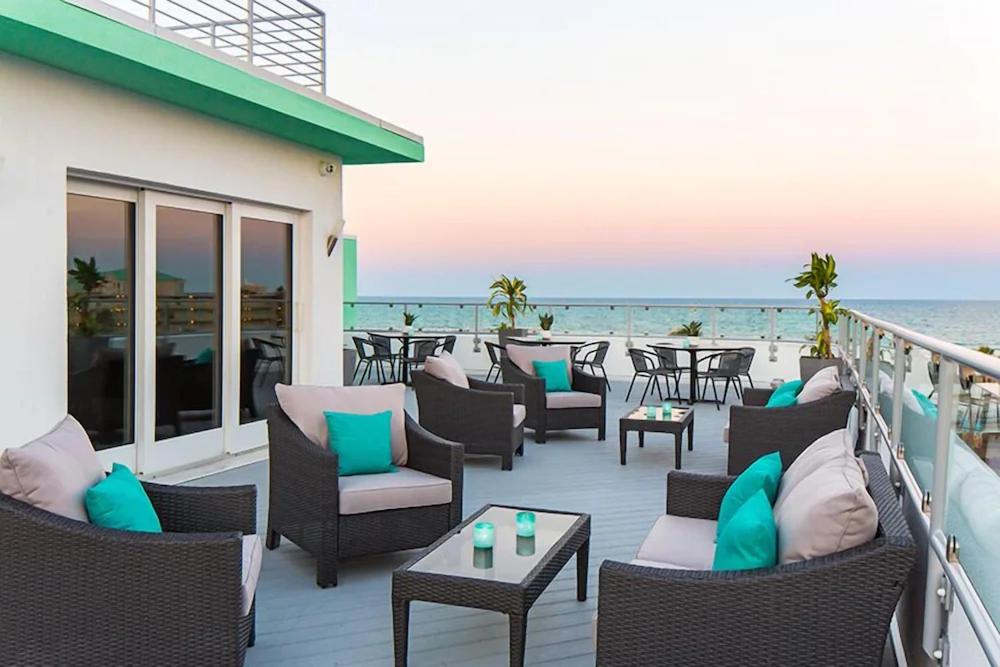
column 668, row 410
column 650, row 412
column 482, row 535
column 525, row 524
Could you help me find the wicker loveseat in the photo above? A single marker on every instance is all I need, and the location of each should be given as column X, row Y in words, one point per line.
column 830, row 610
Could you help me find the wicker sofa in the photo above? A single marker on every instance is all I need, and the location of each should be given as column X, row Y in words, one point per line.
column 487, row 418
column 72, row 593
column 755, row 430
column 831, row 610
column 583, row 407
column 306, row 498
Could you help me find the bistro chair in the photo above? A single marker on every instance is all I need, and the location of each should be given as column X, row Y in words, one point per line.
column 271, row 353
column 366, row 360
column 416, row 350
column 748, row 355
column 449, row 343
column 496, row 353
column 723, row 366
column 667, row 358
column 646, row 365
column 591, row 357
column 384, row 355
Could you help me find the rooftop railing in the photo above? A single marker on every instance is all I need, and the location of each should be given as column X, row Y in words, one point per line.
column 284, row 37
column 932, row 410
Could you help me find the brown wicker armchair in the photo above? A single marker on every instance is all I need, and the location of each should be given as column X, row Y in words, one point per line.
column 755, row 430
column 487, row 418
column 72, row 593
column 305, row 498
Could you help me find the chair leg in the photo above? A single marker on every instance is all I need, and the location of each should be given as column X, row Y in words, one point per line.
column 605, row 374
column 750, row 380
column 645, row 391
column 507, row 462
column 715, row 392
column 326, row 572
column 659, row 392
column 540, row 435
column 273, row 539
column 725, row 393
column 630, row 387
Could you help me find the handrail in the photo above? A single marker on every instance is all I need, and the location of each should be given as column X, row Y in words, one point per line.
column 595, row 304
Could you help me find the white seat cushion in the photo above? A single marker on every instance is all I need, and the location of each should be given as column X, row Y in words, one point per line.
column 571, row 399
column 523, row 355
column 305, row 404
column 680, row 542
column 831, row 448
column 54, row 471
column 253, row 556
column 828, row 511
column 520, row 412
column 656, row 563
column 446, row 367
column 725, row 434
column 820, row 385
column 406, row 487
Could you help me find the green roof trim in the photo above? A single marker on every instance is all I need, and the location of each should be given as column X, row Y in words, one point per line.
column 90, row 44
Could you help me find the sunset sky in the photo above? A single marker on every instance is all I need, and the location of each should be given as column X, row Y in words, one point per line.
column 676, row 148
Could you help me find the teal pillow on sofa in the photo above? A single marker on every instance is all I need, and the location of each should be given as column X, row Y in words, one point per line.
column 363, row 443
column 750, row 539
column 555, row 373
column 764, row 474
column 119, row 501
column 785, row 395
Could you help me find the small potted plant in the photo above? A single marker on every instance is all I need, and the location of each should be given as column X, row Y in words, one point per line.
column 508, row 299
column 545, row 321
column 819, row 278
column 986, row 349
column 692, row 330
column 408, row 320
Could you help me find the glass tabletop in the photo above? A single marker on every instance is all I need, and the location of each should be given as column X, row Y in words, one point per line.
column 511, row 558
column 658, row 414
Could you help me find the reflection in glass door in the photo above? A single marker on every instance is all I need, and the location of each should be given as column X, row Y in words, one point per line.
column 265, row 313
column 189, row 354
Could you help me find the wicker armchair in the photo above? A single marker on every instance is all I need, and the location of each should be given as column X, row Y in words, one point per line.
column 755, row 430
column 304, row 502
column 833, row 610
column 72, row 593
column 487, row 418
column 542, row 418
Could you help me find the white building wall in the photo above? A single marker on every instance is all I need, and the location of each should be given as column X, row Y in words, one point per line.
column 52, row 122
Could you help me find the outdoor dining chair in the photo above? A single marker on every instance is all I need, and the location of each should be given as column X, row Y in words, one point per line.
column 496, row 354
column 416, row 350
column 591, row 357
column 647, row 365
column 723, row 366
column 271, row 353
column 384, row 355
column 366, row 361
column 745, row 364
column 667, row 360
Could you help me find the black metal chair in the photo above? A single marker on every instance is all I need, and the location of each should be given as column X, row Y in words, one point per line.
column 591, row 356
column 748, row 354
column 723, row 366
column 667, row 360
column 384, row 355
column 416, row 350
column 449, row 343
column 496, row 354
column 366, row 359
column 647, row 365
column 271, row 353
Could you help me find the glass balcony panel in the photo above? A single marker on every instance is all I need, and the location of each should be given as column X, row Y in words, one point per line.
column 920, row 414
column 742, row 323
column 794, row 324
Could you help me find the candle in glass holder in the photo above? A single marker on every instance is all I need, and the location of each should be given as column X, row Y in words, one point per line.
column 483, row 536
column 525, row 524
column 668, row 410
column 525, row 546
column 650, row 412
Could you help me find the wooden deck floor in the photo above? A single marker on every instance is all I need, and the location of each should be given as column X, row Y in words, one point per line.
column 300, row 624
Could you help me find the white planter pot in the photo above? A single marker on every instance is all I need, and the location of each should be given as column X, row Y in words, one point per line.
column 406, row 329
column 546, row 335
column 694, row 341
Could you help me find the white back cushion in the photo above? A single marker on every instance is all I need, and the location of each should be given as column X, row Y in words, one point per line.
column 828, row 511
column 523, row 355
column 305, row 404
column 831, row 448
column 821, row 385
column 446, row 367
column 53, row 472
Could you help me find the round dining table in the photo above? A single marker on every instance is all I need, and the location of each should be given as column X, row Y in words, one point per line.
column 693, row 352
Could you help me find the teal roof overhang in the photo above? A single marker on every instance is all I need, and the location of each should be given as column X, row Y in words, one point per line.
column 94, row 45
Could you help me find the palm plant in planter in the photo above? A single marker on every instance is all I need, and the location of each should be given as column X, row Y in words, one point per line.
column 819, row 278
column 408, row 320
column 545, row 321
column 692, row 330
column 508, row 299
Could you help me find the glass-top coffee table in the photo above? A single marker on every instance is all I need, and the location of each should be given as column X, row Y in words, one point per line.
column 657, row 420
column 507, row 578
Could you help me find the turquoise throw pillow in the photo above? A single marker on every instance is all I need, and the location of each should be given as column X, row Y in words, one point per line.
column 205, row 356
column 555, row 374
column 785, row 395
column 750, row 540
column 363, row 443
column 764, row 474
column 119, row 501
column 926, row 404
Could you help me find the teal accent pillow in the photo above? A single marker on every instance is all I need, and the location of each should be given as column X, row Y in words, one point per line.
column 785, row 395
column 750, row 540
column 555, row 373
column 926, row 404
column 764, row 474
column 119, row 501
column 205, row 356
column 363, row 443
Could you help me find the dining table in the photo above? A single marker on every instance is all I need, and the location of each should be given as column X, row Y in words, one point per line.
column 405, row 339
column 534, row 340
column 693, row 352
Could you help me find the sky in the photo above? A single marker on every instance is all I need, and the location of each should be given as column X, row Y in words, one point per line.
column 696, row 148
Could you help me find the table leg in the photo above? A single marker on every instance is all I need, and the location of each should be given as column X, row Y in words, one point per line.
column 677, row 450
column 400, row 629
column 693, row 376
column 622, row 440
column 582, row 565
column 518, row 635
column 642, row 438
column 404, row 372
column 691, row 435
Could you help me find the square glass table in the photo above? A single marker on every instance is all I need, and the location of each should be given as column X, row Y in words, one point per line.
column 643, row 420
column 507, row 578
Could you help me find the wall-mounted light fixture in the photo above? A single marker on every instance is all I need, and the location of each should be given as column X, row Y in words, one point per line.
column 335, row 234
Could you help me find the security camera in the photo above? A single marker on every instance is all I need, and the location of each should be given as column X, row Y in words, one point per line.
column 327, row 168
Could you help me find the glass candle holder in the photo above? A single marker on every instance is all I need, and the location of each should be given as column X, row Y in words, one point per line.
column 650, row 412
column 668, row 409
column 525, row 546
column 525, row 524
column 483, row 535
column 482, row 559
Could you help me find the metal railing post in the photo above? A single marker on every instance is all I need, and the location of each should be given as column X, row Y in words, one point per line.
column 250, row 30
column 713, row 318
column 873, row 391
column 476, row 341
column 152, row 11
column 628, row 328
column 322, row 55
column 772, row 348
column 898, row 386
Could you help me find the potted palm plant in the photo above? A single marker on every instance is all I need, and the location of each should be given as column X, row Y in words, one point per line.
column 545, row 321
column 692, row 330
column 508, row 299
column 819, row 278
column 408, row 320
column 86, row 324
